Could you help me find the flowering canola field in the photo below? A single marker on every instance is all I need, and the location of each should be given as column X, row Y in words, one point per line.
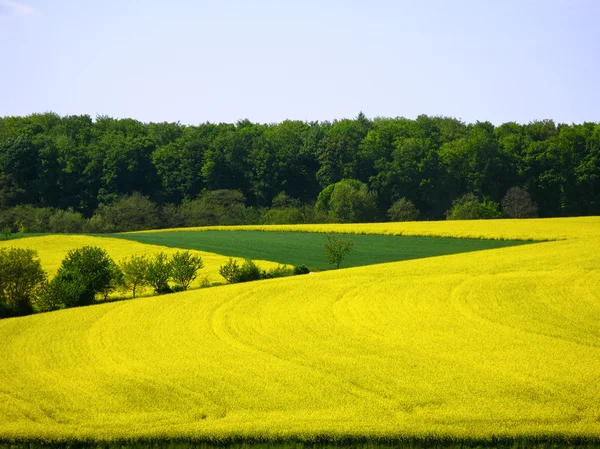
column 503, row 342
column 52, row 249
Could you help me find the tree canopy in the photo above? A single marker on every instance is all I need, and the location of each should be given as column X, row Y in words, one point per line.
column 82, row 165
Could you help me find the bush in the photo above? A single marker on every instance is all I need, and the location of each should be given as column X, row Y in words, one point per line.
column 21, row 276
column 249, row 271
column 177, row 289
column 234, row 273
column 66, row 221
column 204, row 282
column 135, row 273
column 468, row 207
column 347, row 201
column 301, row 269
column 97, row 225
column 230, row 271
column 214, row 207
column 282, row 201
column 5, row 233
column 185, row 267
column 171, row 216
column 159, row 273
column 337, row 249
column 26, row 218
column 284, row 210
column 287, row 215
column 85, row 272
column 403, row 210
column 116, row 281
column 254, row 215
column 53, row 295
column 518, row 204
column 279, row 271
column 128, row 213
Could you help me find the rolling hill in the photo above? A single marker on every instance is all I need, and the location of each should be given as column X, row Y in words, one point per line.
column 502, row 342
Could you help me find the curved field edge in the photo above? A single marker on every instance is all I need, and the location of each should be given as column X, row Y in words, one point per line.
column 53, row 248
column 476, row 346
column 306, row 248
column 505, row 229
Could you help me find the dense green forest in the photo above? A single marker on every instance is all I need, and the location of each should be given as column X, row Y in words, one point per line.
column 277, row 172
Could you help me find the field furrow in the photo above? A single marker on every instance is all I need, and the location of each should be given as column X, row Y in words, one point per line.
column 504, row 342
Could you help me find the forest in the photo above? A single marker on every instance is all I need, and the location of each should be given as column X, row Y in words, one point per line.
column 84, row 167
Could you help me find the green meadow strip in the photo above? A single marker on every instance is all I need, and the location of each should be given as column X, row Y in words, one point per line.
column 296, row 248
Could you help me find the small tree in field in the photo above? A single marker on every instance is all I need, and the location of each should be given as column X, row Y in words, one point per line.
column 337, row 249
column 185, row 267
column 230, row 271
column 88, row 270
column 159, row 273
column 21, row 276
column 518, row 204
column 135, row 273
column 116, row 280
column 248, row 271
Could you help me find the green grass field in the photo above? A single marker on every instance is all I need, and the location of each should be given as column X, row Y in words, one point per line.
column 296, row 248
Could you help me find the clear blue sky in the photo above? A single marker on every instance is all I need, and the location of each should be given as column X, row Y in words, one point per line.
column 221, row 61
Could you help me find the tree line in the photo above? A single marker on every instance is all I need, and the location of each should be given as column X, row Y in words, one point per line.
column 74, row 172
column 84, row 274
column 89, row 273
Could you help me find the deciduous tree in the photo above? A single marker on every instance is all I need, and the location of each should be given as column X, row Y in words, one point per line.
column 336, row 249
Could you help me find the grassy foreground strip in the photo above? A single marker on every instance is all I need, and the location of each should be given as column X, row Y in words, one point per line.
column 482, row 345
column 296, row 248
column 53, row 248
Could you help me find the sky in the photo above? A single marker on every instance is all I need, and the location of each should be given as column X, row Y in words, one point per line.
column 267, row 61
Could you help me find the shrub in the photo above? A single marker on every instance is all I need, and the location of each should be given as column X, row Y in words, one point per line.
column 21, row 275
column 135, row 273
column 185, row 267
column 337, row 249
column 301, row 269
column 205, row 282
column 282, row 201
column 254, row 215
column 89, row 270
column 249, row 271
column 286, row 215
column 159, row 273
column 52, row 295
column 96, row 224
column 347, row 201
column 66, row 221
column 128, row 213
column 468, row 207
column 214, row 207
column 403, row 210
column 230, row 271
column 234, row 273
column 116, row 281
column 279, row 271
column 5, row 233
column 171, row 216
column 518, row 204
column 26, row 218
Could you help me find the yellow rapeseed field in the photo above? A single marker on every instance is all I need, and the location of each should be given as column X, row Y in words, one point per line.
column 502, row 342
column 524, row 229
column 52, row 249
